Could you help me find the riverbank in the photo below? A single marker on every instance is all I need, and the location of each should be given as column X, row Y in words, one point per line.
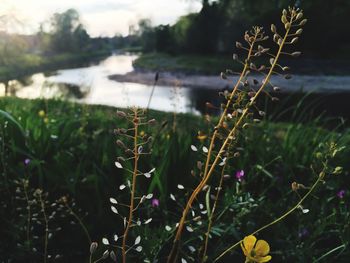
column 32, row 63
column 298, row 83
column 214, row 64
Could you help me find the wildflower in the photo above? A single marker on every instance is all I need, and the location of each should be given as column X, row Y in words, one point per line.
column 255, row 251
column 303, row 232
column 155, row 202
column 341, row 194
column 26, row 161
column 41, row 113
column 239, row 175
column 201, row 136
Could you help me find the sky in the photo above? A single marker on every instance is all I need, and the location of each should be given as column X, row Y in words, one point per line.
column 100, row 17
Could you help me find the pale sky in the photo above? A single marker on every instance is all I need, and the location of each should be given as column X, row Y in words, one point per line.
column 100, row 17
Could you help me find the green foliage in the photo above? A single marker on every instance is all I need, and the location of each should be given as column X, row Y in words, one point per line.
column 73, row 151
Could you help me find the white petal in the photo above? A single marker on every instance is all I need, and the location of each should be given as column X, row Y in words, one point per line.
column 139, row 249
column 153, row 169
column 114, row 210
column 167, row 228
column 105, row 241
column 194, row 148
column 201, row 206
column 191, row 248
column 172, row 197
column 116, row 238
column 189, row 229
column 180, row 186
column 118, row 164
column 183, row 260
column 205, row 149
column 121, row 187
column 113, row 200
column 147, row 175
column 305, row 211
column 148, row 221
column 149, row 196
column 137, row 240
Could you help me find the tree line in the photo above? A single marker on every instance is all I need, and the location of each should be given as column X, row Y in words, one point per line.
column 216, row 27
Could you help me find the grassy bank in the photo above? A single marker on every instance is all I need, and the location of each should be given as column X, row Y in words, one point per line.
column 69, row 150
column 214, row 64
column 31, row 63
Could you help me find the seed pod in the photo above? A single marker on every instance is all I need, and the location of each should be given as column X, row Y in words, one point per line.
column 296, row 54
column 262, row 113
column 235, row 57
column 299, row 16
column 121, row 144
column 223, row 75
column 275, row 99
column 284, row 19
column 303, row 22
column 285, row 68
column 287, row 26
column 273, row 28
column 236, row 154
column 294, row 40
column 287, row 76
column 105, row 254
column 113, row 256
column 238, row 45
column 152, row 121
column 93, row 247
column 284, row 12
column 276, row 89
column 299, row 31
column 121, row 114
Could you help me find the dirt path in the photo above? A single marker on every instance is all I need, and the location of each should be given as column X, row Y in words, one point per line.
column 304, row 83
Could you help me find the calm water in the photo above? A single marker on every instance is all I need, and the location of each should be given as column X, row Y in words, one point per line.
column 91, row 85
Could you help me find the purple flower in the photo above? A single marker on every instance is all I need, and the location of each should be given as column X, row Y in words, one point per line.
column 239, row 175
column 341, row 194
column 155, row 202
column 26, row 161
column 303, row 232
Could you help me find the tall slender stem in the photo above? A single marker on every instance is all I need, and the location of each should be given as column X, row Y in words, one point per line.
column 133, row 187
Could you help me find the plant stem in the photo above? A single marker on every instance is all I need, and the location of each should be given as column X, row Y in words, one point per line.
column 46, row 242
column 174, row 251
column 80, row 222
column 133, row 186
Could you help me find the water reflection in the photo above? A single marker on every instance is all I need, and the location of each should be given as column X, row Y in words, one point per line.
column 91, row 85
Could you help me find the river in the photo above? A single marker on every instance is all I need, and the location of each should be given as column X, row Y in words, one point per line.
column 90, row 84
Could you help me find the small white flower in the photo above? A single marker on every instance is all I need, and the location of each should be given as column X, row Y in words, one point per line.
column 148, row 221
column 194, row 148
column 205, row 149
column 121, row 187
column 113, row 200
column 167, row 228
column 118, row 164
column 114, row 210
column 172, row 197
column 189, row 229
column 105, row 241
column 149, row 196
column 180, row 186
column 137, row 240
column 115, row 238
column 147, row 175
column 139, row 249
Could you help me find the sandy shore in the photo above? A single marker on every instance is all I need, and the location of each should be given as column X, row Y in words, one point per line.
column 304, row 83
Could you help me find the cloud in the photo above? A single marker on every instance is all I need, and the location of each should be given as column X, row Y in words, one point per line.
column 101, row 17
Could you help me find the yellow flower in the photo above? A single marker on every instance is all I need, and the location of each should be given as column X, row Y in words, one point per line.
column 142, row 133
column 46, row 120
column 255, row 251
column 41, row 114
column 201, row 136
